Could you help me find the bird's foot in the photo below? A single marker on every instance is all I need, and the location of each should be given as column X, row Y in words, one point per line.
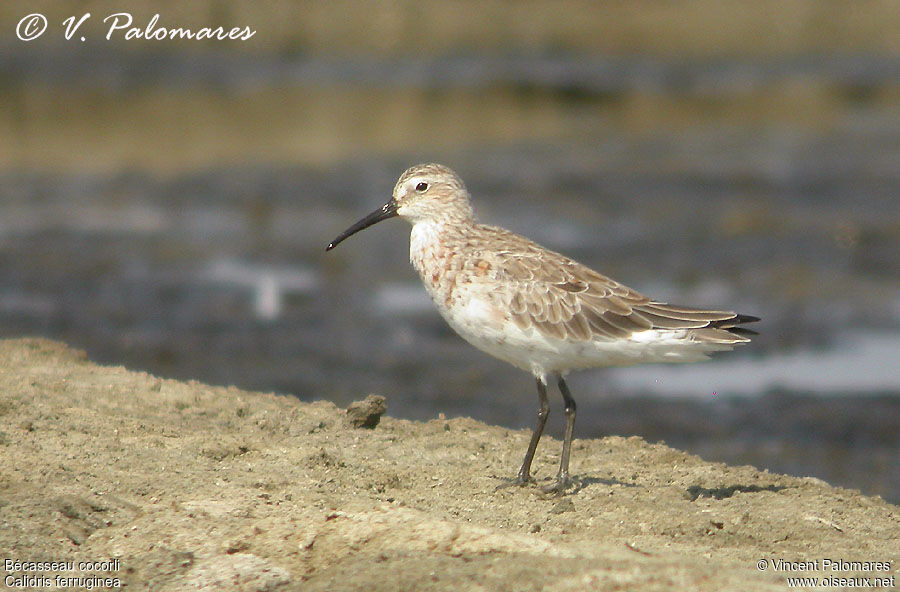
column 519, row 481
column 557, row 488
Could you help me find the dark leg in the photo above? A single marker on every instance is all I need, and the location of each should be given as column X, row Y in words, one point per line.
column 524, row 475
column 562, row 478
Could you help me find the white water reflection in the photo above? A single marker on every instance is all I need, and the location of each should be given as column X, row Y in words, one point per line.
column 860, row 362
column 268, row 283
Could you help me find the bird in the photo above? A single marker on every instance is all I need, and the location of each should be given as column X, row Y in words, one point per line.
column 534, row 308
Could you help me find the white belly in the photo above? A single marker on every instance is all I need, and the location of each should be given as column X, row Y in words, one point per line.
column 477, row 321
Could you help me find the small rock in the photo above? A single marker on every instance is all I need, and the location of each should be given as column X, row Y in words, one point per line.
column 366, row 414
column 235, row 546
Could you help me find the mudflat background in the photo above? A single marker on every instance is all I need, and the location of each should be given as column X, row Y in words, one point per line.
column 197, row 487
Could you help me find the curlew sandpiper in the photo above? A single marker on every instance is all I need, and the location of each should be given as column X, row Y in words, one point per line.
column 535, row 308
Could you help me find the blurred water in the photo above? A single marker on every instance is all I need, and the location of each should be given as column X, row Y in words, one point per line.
column 581, row 75
column 855, row 363
column 220, row 274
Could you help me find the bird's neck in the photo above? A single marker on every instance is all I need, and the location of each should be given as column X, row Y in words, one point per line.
column 434, row 252
column 430, row 232
column 426, row 238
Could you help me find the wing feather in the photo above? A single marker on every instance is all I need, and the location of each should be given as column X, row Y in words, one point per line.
column 565, row 299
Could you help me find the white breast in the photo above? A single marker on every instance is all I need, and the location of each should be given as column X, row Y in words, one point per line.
column 431, row 259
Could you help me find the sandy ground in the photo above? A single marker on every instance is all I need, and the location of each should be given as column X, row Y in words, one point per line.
column 190, row 486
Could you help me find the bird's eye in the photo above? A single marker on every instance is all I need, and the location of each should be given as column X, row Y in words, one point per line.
column 423, row 186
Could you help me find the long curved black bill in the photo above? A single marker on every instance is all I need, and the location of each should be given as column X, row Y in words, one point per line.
column 388, row 210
